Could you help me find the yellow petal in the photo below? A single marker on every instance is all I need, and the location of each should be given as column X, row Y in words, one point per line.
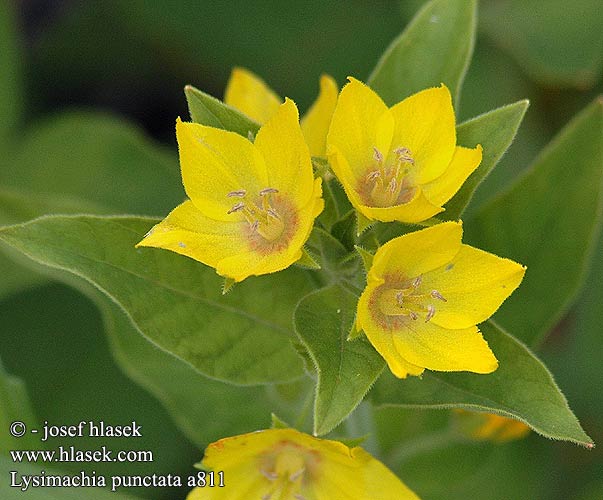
column 251, row 262
column 288, row 163
column 215, row 162
column 361, row 122
column 315, row 123
column 382, row 339
column 189, row 232
column 425, row 124
column 474, row 283
column 249, row 94
column 329, row 469
column 435, row 348
column 463, row 163
column 418, row 252
column 418, row 209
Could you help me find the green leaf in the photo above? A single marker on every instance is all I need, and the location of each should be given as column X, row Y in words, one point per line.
column 520, row 388
column 346, row 370
column 554, row 45
column 202, row 408
column 434, row 48
column 243, row 337
column 495, row 131
column 15, row 407
column 548, row 220
column 367, row 258
column 307, row 260
column 208, row 110
column 10, row 75
column 96, row 158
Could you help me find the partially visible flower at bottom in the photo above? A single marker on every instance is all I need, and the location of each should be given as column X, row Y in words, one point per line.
column 425, row 294
column 490, row 427
column 285, row 464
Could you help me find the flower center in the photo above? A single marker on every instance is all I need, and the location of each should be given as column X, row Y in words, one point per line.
column 409, row 301
column 261, row 215
column 388, row 185
column 286, row 467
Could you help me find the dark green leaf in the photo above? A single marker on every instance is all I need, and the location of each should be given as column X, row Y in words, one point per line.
column 495, row 131
column 346, row 370
column 434, row 48
column 546, row 221
column 520, row 388
column 10, row 75
column 243, row 337
column 208, row 110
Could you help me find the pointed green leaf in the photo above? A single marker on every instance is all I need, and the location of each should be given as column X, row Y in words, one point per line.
column 307, row 260
column 495, row 131
column 548, row 221
column 366, row 256
column 520, row 388
column 227, row 285
column 346, row 370
column 362, row 223
column 208, row 110
column 97, row 158
column 434, row 48
column 243, row 337
column 184, row 392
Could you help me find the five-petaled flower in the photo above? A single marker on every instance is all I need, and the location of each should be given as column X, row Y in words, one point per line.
column 425, row 294
column 284, row 464
column 400, row 163
column 252, row 205
column 249, row 94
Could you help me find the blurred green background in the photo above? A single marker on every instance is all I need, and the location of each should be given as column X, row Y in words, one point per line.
column 89, row 94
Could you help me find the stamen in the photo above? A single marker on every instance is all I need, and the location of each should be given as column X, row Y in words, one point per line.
column 377, row 155
column 430, row 312
column 237, row 194
column 298, row 496
column 237, row 207
column 416, row 283
column 392, row 185
column 272, row 212
column 373, row 175
column 413, row 315
column 267, row 496
column 271, row 476
column 255, row 225
column 400, row 298
column 295, row 475
column 268, row 191
column 404, row 154
column 437, row 295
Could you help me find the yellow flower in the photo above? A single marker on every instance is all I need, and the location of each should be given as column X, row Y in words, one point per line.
column 249, row 94
column 284, row 464
column 425, row 293
column 252, row 205
column 400, row 163
column 491, row 427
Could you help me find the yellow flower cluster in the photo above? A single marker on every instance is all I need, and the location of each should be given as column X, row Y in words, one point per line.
column 252, row 205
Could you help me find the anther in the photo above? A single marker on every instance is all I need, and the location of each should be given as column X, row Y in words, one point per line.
column 267, row 496
column 373, row 175
column 297, row 496
column 430, row 312
column 392, row 185
column 237, row 194
column 268, row 191
column 295, row 475
column 237, row 207
column 413, row 315
column 437, row 295
column 255, row 225
column 377, row 155
column 272, row 212
column 404, row 154
column 400, row 298
column 417, row 282
column 271, row 476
